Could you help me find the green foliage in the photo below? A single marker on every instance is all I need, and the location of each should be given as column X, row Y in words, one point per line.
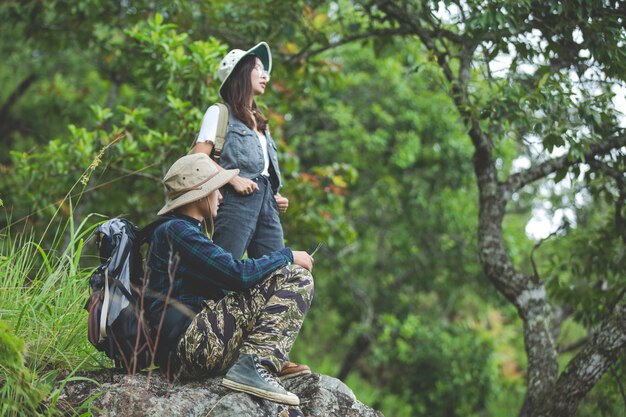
column 590, row 281
column 21, row 394
column 42, row 320
column 413, row 214
column 148, row 128
column 551, row 92
column 409, row 206
column 43, row 292
column 317, row 212
column 438, row 368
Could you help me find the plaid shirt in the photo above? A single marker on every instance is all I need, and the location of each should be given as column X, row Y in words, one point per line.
column 199, row 269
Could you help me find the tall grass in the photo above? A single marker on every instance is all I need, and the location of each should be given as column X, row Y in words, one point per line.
column 42, row 293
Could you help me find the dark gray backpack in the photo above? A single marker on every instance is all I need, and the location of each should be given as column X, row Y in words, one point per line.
column 117, row 324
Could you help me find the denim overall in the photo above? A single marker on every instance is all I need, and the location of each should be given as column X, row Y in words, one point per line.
column 249, row 221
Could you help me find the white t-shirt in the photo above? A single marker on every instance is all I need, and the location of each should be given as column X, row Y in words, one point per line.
column 209, row 130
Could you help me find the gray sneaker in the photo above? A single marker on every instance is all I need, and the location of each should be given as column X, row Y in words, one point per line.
column 250, row 376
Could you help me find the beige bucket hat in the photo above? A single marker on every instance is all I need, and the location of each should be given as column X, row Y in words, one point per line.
column 232, row 58
column 192, row 178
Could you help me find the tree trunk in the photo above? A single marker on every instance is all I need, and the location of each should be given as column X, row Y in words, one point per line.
column 584, row 371
column 359, row 347
column 528, row 296
column 20, row 90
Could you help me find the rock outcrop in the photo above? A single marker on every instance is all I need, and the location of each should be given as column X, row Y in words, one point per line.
column 151, row 395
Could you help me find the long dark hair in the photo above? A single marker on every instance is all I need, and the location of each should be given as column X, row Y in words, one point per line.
column 238, row 91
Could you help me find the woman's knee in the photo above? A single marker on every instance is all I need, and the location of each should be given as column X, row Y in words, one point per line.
column 302, row 276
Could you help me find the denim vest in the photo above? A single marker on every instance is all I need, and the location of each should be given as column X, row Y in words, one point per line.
column 242, row 149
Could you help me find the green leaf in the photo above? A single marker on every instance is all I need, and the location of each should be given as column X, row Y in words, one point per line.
column 543, row 80
column 560, row 174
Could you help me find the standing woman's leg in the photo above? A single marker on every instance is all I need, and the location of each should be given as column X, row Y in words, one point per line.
column 236, row 221
column 268, row 236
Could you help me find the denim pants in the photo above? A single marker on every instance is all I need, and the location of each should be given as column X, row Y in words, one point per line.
column 249, row 222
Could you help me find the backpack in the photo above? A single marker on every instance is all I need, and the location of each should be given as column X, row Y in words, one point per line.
column 117, row 324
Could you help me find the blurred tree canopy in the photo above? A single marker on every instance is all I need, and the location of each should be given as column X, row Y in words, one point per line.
column 417, row 137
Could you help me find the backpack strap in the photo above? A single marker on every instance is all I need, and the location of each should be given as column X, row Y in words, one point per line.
column 142, row 237
column 105, row 308
column 220, row 133
column 222, row 130
column 145, row 234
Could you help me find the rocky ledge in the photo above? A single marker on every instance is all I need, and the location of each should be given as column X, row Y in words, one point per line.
column 111, row 394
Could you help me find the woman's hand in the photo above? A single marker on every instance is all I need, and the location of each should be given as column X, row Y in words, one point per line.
column 244, row 186
column 282, row 202
column 303, row 259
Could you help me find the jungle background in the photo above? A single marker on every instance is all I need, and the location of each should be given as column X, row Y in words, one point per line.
column 462, row 161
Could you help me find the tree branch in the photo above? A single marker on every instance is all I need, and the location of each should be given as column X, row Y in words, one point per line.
column 574, row 346
column 137, row 173
column 532, row 253
column 620, row 180
column 586, row 368
column 308, row 53
column 19, row 91
column 534, row 173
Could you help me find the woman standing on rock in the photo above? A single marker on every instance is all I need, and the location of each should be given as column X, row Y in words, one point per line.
column 248, row 217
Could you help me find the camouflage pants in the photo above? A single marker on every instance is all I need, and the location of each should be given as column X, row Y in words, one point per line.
column 263, row 320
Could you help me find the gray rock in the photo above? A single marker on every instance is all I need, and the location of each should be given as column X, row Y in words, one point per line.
column 152, row 395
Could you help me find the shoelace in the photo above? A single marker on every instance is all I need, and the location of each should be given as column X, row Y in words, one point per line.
column 264, row 373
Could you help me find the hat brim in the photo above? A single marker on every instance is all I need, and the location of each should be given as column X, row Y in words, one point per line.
column 261, row 50
column 207, row 188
